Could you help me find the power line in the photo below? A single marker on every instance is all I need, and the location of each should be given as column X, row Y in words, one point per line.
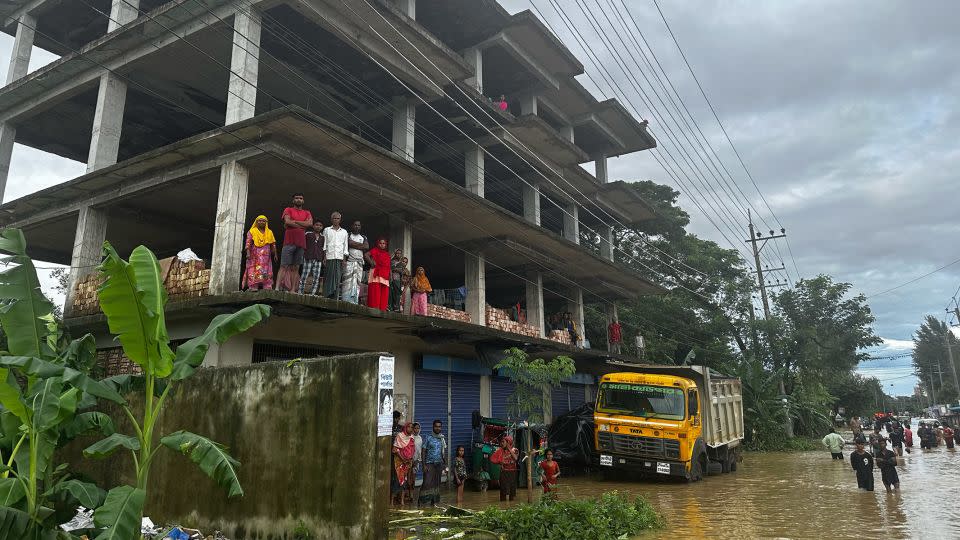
column 914, row 280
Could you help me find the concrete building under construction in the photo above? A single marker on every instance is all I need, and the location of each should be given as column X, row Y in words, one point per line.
column 195, row 116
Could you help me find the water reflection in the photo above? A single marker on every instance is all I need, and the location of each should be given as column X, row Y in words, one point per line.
column 799, row 495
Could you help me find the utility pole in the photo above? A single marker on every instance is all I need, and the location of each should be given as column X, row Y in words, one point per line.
column 763, row 296
column 953, row 365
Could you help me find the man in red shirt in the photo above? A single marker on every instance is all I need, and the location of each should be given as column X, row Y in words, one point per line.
column 296, row 221
column 615, row 334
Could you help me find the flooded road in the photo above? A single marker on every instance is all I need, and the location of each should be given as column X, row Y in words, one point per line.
column 793, row 495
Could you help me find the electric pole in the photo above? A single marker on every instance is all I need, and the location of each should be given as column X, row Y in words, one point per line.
column 754, row 237
column 953, row 365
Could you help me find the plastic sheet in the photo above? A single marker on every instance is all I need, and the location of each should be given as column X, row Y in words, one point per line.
column 571, row 436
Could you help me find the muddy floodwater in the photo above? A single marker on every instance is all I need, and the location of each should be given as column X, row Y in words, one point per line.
column 793, row 495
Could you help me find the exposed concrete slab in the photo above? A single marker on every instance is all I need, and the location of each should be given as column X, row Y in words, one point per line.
column 522, row 56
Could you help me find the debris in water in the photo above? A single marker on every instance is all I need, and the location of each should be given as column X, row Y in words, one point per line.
column 83, row 520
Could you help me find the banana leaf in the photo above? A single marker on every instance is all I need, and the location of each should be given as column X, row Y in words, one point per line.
column 45, row 403
column 111, row 444
column 87, row 494
column 80, row 354
column 133, row 298
column 191, row 354
column 37, row 367
column 11, row 491
column 25, row 313
column 212, row 458
column 88, row 422
column 120, row 514
column 13, row 523
column 10, row 396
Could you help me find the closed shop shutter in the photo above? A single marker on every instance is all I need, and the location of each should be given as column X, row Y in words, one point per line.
column 429, row 399
column 500, row 390
column 465, row 391
column 560, row 398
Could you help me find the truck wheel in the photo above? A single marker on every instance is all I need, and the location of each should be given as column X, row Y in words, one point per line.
column 734, row 458
column 714, row 468
column 696, row 469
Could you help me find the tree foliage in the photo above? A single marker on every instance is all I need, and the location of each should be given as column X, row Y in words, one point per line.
column 532, row 377
column 931, row 361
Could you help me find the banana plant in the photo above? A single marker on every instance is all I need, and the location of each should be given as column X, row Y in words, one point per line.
column 133, row 298
column 44, row 389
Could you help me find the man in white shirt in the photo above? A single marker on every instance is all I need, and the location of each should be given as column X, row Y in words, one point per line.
column 353, row 272
column 335, row 253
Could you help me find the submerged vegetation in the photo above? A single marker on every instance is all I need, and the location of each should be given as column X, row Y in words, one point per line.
column 611, row 516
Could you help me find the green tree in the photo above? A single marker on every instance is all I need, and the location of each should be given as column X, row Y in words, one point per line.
column 532, row 377
column 931, row 362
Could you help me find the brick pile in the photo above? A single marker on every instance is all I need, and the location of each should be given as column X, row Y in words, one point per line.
column 183, row 281
column 561, row 336
column 85, row 300
column 499, row 319
column 114, row 362
column 450, row 314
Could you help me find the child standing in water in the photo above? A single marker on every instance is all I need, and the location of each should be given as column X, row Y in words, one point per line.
column 551, row 472
column 460, row 472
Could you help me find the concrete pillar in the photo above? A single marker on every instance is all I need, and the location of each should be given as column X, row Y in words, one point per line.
column 22, row 48
column 404, row 126
column 600, row 165
column 567, row 133
column 87, row 249
column 475, row 279
column 244, row 66
column 571, row 223
column 606, row 241
column 612, row 317
column 575, row 307
column 107, row 122
column 408, row 7
column 486, row 396
column 8, row 135
column 401, row 237
column 528, row 103
column 473, row 167
column 122, row 12
column 535, row 311
column 474, row 57
column 530, row 192
column 229, row 229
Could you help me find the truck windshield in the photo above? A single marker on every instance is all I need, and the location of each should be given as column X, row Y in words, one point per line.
column 641, row 400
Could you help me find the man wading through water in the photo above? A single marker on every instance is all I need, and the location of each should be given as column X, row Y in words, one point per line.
column 862, row 463
column 834, row 443
column 434, row 464
column 887, row 463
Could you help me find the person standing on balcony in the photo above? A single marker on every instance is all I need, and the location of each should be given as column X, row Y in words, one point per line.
column 615, row 332
column 353, row 273
column 261, row 251
column 421, row 288
column 378, row 285
column 396, row 288
column 313, row 257
column 296, row 221
column 335, row 244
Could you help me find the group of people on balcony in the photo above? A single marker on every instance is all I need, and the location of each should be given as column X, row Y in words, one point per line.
column 334, row 257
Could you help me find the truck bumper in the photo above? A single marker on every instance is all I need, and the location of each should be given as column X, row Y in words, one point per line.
column 643, row 465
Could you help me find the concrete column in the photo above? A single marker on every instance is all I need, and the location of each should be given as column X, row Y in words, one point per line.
column 571, row 223
column 601, row 169
column 122, row 12
column 87, row 249
column 474, row 57
column 534, row 290
column 408, row 7
column 486, row 396
column 606, row 241
column 8, row 135
column 473, row 167
column 612, row 317
column 567, row 133
column 528, row 103
column 229, row 229
column 475, row 279
column 244, row 66
column 107, row 122
column 575, row 307
column 404, row 125
column 401, row 237
column 531, row 202
column 22, row 48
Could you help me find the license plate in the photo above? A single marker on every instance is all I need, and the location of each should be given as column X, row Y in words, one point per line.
column 663, row 468
column 606, row 461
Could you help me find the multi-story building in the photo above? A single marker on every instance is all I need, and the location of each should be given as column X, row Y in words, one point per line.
column 195, row 116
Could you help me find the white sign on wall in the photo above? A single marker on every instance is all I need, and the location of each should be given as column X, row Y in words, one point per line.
column 385, row 406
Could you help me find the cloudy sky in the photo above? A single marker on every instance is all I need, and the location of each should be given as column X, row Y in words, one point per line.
column 846, row 114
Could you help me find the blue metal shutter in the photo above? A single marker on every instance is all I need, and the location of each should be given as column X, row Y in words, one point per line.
column 560, row 401
column 500, row 390
column 577, row 394
column 429, row 399
column 465, row 392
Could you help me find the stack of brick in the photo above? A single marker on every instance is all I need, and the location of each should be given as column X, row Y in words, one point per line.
column 114, row 362
column 85, row 300
column 561, row 336
column 450, row 314
column 183, row 281
column 499, row 319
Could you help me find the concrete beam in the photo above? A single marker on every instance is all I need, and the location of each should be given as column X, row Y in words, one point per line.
column 107, row 122
column 600, row 164
column 244, row 66
column 528, row 62
column 606, row 241
column 407, row 7
column 228, row 236
column 475, row 279
column 601, row 126
column 530, row 193
column 571, row 223
column 404, row 127
column 474, row 58
column 122, row 12
column 534, row 294
column 87, row 249
column 474, row 169
column 22, row 48
column 553, row 109
column 31, row 7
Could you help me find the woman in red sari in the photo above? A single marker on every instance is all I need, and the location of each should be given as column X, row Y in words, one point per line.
column 551, row 472
column 404, row 446
column 378, row 286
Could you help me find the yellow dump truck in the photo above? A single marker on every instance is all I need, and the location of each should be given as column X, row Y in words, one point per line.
column 681, row 421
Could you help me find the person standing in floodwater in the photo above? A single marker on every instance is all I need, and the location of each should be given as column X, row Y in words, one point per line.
column 862, row 463
column 551, row 472
column 896, row 438
column 948, row 436
column 434, row 464
column 834, row 442
column 507, row 456
column 887, row 463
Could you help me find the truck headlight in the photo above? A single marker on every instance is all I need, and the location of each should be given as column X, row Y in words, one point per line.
column 604, row 427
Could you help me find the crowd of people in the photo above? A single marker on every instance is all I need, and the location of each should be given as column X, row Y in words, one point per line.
column 415, row 455
column 342, row 262
column 900, row 438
